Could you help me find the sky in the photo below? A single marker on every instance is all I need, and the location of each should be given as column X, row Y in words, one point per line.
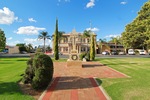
column 23, row 20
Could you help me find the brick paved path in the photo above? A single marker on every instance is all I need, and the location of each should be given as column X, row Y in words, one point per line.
column 76, row 83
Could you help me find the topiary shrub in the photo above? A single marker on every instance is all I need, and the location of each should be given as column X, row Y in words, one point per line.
column 43, row 67
column 39, row 71
column 29, row 72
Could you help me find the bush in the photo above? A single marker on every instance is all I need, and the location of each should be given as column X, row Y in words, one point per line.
column 29, row 72
column 38, row 50
column 39, row 71
column 82, row 55
column 87, row 56
column 136, row 52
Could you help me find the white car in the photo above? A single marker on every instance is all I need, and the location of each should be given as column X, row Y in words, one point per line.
column 121, row 53
column 142, row 52
column 105, row 53
column 131, row 52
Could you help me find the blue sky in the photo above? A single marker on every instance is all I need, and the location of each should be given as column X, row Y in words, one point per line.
column 22, row 20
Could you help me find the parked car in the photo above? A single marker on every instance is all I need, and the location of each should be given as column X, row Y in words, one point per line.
column 23, row 52
column 5, row 51
column 131, row 52
column 142, row 52
column 121, row 53
column 58, row 53
column 105, row 53
column 114, row 53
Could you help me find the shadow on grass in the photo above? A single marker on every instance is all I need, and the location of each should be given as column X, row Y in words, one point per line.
column 9, row 88
column 6, row 62
column 120, row 64
column 91, row 65
column 22, row 60
column 99, row 81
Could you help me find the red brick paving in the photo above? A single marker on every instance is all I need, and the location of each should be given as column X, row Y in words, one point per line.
column 76, row 83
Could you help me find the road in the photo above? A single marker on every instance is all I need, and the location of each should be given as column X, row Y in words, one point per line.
column 67, row 56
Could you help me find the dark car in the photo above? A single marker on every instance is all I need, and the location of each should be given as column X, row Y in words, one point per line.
column 114, row 53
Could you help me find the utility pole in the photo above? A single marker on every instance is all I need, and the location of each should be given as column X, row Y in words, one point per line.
column 90, row 25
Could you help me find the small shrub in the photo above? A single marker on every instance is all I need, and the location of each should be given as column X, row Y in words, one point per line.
column 82, row 55
column 29, row 72
column 87, row 56
column 136, row 52
column 38, row 50
column 39, row 71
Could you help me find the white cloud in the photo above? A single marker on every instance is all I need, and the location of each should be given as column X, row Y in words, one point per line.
column 36, row 42
column 18, row 20
column 29, row 40
column 10, row 38
column 32, row 20
column 90, row 4
column 29, row 30
column 123, row 3
column 93, row 29
column 7, row 16
column 112, row 35
column 13, row 43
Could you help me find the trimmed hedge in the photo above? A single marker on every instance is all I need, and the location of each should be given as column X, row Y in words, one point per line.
column 39, row 71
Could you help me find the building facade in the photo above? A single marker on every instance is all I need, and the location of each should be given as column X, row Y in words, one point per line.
column 82, row 43
column 13, row 49
column 110, row 47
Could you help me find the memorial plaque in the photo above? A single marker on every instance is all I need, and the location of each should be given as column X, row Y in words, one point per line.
column 74, row 55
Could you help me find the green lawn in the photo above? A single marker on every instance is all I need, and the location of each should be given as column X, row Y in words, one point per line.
column 137, row 87
column 10, row 71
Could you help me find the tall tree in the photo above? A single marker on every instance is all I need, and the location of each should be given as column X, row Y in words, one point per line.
column 22, row 47
column 86, row 34
column 60, row 36
column 92, row 48
column 101, row 43
column 44, row 35
column 136, row 34
column 115, row 40
column 29, row 47
column 56, row 34
column 2, row 40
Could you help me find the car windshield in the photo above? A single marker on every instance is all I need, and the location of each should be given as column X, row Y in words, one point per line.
column 142, row 51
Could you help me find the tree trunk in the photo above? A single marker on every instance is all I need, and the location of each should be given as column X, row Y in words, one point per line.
column 44, row 46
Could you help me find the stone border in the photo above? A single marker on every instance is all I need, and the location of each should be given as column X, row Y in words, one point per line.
column 102, row 89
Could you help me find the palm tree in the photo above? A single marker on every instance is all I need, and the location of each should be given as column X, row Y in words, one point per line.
column 86, row 34
column 101, row 43
column 116, row 41
column 44, row 35
column 29, row 47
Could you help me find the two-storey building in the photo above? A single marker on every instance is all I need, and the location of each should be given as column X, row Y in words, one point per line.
column 82, row 43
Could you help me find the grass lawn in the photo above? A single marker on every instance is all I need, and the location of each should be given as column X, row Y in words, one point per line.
column 10, row 71
column 137, row 87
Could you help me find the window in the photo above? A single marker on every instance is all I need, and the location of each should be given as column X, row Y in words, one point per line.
column 65, row 40
column 88, row 40
column 83, row 40
column 83, row 48
column 65, row 49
